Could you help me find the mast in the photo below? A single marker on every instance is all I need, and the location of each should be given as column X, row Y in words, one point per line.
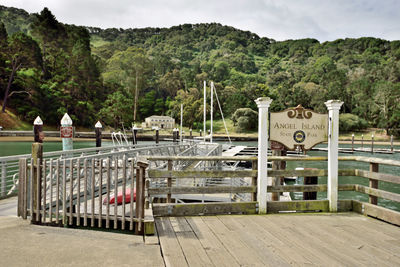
column 204, row 104
column 212, row 113
column 180, row 137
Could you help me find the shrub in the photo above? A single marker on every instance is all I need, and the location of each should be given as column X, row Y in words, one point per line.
column 350, row 122
column 245, row 119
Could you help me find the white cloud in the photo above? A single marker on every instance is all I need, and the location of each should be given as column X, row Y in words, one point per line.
column 283, row 19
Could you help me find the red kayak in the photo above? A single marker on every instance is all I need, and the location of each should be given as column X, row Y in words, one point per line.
column 119, row 198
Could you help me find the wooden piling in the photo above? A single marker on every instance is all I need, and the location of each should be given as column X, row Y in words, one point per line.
column 373, row 167
column 352, row 143
column 157, row 136
column 37, row 157
column 254, row 180
column 169, row 181
column 98, row 128
column 391, row 143
column 372, row 144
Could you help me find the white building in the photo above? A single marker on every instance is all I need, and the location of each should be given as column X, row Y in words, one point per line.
column 162, row 122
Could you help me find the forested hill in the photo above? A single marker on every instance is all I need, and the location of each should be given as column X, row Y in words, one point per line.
column 118, row 75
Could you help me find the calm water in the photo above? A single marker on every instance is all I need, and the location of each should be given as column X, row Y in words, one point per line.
column 15, row 148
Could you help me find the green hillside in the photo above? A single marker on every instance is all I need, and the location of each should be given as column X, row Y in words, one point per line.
column 125, row 75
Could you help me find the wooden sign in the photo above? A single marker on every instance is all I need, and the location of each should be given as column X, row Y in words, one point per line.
column 298, row 127
column 66, row 131
column 277, row 146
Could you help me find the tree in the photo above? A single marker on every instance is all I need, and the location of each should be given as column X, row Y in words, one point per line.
column 23, row 52
column 245, row 119
column 130, row 69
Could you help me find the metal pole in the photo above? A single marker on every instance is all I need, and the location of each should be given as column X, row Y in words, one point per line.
column 180, row 138
column 205, row 114
column 212, row 113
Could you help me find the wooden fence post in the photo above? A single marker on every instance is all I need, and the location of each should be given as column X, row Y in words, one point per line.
column 37, row 157
column 352, row 143
column 140, row 196
column 362, row 141
column 254, row 180
column 3, row 178
column 169, row 180
column 373, row 167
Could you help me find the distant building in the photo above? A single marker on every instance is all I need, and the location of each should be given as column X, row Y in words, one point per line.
column 162, row 122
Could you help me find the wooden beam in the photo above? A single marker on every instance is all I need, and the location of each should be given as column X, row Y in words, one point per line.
column 201, row 174
column 378, row 176
column 306, row 205
column 308, row 188
column 377, row 193
column 202, row 190
column 377, row 212
column 191, row 209
column 298, row 205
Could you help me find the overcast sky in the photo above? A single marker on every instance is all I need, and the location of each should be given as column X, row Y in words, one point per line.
column 325, row 20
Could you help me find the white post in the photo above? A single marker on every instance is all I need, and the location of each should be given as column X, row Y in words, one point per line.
column 212, row 110
column 66, row 132
column 262, row 178
column 181, row 136
column 205, row 114
column 333, row 147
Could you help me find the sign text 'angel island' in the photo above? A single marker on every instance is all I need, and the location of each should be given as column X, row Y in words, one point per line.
column 298, row 127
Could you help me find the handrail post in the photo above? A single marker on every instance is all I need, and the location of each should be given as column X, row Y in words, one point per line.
column 169, row 181
column 333, row 147
column 373, row 167
column 263, row 104
column 254, row 180
column 140, row 196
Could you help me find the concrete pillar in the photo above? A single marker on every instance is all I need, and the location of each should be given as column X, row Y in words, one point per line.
column 263, row 104
column 66, row 132
column 333, row 147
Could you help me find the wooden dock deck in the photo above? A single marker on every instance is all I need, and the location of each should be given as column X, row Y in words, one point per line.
column 342, row 239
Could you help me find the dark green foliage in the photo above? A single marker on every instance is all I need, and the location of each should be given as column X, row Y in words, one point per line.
column 350, row 122
column 85, row 70
column 245, row 119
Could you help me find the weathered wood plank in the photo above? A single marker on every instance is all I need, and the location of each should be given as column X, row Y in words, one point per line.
column 189, row 209
column 265, row 253
column 377, row 193
column 215, row 250
column 378, row 176
column 92, row 190
column 195, row 254
column 170, row 247
column 78, row 192
column 244, row 255
column 308, row 188
column 201, row 174
column 377, row 212
column 202, row 190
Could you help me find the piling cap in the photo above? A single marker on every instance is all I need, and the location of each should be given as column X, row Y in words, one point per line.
column 66, row 120
column 38, row 121
column 98, row 125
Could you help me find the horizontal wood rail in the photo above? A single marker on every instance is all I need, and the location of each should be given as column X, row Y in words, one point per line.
column 201, row 174
column 378, row 176
column 202, row 190
column 190, row 209
column 308, row 188
column 377, row 192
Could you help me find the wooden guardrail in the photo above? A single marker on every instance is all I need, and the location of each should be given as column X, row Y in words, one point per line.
column 371, row 208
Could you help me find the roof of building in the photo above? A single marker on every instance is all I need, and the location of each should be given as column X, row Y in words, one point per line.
column 160, row 117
